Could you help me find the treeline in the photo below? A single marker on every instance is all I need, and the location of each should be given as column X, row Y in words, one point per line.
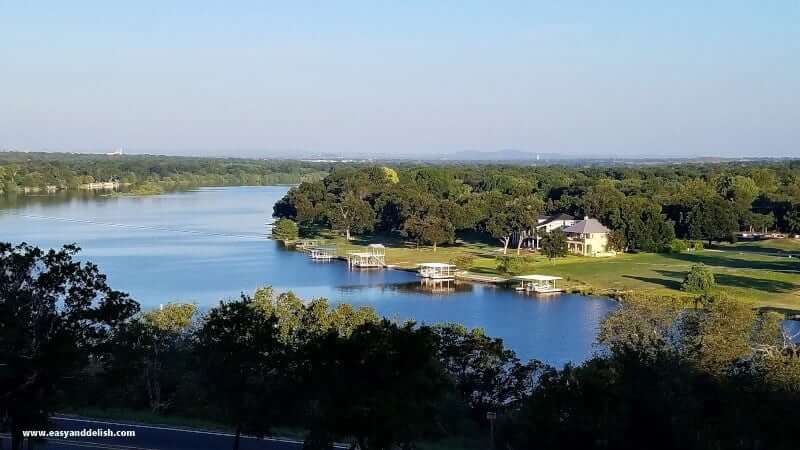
column 706, row 375
column 645, row 206
column 40, row 172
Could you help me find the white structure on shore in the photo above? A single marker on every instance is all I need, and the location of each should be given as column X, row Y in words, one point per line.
column 375, row 256
column 437, row 271
column 588, row 237
column 540, row 284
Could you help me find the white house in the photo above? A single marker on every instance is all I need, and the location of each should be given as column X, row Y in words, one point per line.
column 588, row 237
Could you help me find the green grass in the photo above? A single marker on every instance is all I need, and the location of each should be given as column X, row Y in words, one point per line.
column 759, row 273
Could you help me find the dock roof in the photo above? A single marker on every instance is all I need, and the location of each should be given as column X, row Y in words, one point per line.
column 435, row 265
column 537, row 277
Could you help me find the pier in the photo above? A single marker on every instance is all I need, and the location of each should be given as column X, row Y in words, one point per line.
column 437, row 271
column 374, row 257
column 540, row 284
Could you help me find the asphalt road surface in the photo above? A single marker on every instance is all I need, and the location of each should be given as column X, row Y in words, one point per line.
column 150, row 437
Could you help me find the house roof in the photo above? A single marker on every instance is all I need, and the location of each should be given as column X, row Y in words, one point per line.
column 587, row 226
column 557, row 217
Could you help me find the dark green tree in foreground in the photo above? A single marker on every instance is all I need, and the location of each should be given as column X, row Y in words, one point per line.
column 699, row 279
column 56, row 318
column 285, row 230
column 380, row 386
column 554, row 244
column 241, row 356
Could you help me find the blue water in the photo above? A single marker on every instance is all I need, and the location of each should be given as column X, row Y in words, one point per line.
column 210, row 244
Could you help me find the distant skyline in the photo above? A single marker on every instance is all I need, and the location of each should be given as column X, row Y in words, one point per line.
column 418, row 79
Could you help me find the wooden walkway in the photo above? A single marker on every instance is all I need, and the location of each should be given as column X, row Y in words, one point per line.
column 469, row 276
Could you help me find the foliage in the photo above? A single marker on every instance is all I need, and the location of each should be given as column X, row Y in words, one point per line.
column 646, row 207
column 554, row 244
column 512, row 265
column 617, row 241
column 350, row 214
column 714, row 220
column 239, row 338
column 678, row 246
column 487, row 376
column 463, row 261
column 153, row 349
column 696, row 373
column 429, row 230
column 57, row 317
column 380, row 385
column 699, row 279
column 285, row 230
column 146, row 174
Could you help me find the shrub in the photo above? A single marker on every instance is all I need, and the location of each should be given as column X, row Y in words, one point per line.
column 463, row 262
column 678, row 246
column 510, row 264
column 285, row 230
column 699, row 279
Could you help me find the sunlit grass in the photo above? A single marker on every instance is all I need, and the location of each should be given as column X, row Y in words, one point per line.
column 758, row 272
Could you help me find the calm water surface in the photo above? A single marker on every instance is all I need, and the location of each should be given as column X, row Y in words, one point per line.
column 210, row 244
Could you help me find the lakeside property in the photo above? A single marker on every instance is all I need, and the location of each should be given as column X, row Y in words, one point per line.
column 764, row 273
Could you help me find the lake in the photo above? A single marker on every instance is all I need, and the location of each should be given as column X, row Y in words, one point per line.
column 211, row 243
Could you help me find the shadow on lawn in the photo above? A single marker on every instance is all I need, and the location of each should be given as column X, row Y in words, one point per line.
column 673, row 280
column 750, row 248
column 722, row 260
column 667, row 283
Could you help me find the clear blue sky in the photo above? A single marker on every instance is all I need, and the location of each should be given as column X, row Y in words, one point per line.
column 625, row 78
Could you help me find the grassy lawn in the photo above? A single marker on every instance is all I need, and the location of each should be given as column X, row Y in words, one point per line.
column 758, row 272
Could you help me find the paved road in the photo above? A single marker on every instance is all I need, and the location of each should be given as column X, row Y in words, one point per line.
column 151, row 437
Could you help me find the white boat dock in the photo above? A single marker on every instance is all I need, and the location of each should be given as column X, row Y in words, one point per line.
column 540, row 284
column 437, row 271
column 374, row 257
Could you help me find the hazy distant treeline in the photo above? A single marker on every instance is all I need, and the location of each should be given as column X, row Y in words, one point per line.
column 40, row 172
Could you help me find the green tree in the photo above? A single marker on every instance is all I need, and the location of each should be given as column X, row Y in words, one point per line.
column 463, row 261
column 285, row 230
column 554, row 244
column 152, row 348
column 510, row 264
column 56, row 317
column 431, row 230
column 616, row 241
column 719, row 336
column 792, row 219
column 487, row 375
column 712, row 220
column 351, row 215
column 699, row 279
column 509, row 216
column 243, row 361
column 379, row 386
